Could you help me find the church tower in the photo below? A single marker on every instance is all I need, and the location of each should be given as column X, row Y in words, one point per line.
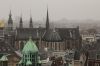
column 21, row 23
column 31, row 23
column 10, row 22
column 47, row 21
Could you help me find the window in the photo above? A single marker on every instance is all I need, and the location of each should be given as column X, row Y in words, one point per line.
column 98, row 56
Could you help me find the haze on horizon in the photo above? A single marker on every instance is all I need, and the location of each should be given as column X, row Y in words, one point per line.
column 58, row 9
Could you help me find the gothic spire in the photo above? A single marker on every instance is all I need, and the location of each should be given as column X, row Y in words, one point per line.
column 21, row 22
column 10, row 21
column 47, row 20
column 10, row 14
column 31, row 22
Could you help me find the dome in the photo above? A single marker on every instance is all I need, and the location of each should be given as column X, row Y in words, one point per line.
column 30, row 47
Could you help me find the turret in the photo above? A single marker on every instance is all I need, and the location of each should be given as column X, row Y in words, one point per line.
column 21, row 23
column 30, row 54
column 10, row 22
column 31, row 23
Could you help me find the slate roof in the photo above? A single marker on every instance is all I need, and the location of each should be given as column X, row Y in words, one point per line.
column 36, row 33
column 24, row 33
column 69, row 33
column 52, row 36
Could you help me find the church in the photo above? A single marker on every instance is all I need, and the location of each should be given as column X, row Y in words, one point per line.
column 55, row 39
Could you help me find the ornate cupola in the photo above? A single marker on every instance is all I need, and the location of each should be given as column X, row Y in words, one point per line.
column 30, row 54
column 47, row 21
column 30, row 46
column 31, row 23
column 21, row 22
column 10, row 21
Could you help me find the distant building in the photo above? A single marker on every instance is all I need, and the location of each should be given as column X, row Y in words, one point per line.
column 88, row 38
column 57, row 39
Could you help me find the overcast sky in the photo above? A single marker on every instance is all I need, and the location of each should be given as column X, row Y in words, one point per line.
column 58, row 9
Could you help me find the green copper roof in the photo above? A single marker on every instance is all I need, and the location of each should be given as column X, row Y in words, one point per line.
column 30, row 47
column 28, row 63
column 3, row 58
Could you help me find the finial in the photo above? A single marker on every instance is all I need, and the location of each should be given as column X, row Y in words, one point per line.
column 30, row 38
